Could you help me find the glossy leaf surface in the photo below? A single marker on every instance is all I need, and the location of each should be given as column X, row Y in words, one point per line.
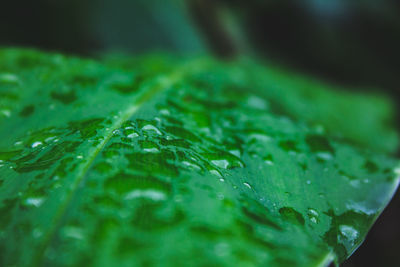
column 157, row 162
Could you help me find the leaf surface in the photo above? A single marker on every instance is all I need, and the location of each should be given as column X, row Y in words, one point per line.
column 177, row 163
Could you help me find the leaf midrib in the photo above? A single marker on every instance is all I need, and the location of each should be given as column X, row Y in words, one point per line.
column 163, row 83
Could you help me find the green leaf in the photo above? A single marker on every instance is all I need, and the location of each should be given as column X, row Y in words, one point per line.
column 193, row 163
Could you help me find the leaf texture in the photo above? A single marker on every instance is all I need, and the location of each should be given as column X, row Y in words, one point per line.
column 166, row 162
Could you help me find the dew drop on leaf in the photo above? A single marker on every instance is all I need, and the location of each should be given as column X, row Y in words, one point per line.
column 73, row 232
column 269, row 160
column 191, row 165
column 34, row 201
column 37, row 233
column 151, row 128
column 313, row 215
column 324, row 156
column 8, row 78
column 5, row 112
column 223, row 163
column 216, row 173
column 36, row 144
column 247, row 185
column 154, row 195
column 348, row 234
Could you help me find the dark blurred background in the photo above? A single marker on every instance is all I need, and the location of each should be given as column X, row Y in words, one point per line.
column 351, row 43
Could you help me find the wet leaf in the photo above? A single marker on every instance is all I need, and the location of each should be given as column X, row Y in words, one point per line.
column 152, row 162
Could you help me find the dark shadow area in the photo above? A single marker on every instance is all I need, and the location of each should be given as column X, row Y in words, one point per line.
column 382, row 243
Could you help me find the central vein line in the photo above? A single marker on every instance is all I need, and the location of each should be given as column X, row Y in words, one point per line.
column 162, row 83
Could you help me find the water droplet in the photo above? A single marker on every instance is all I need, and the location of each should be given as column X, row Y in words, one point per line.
column 313, row 212
column 220, row 196
column 191, row 165
column 151, row 128
column 313, row 215
column 224, row 160
column 235, row 152
column 5, row 112
column 263, row 138
column 308, row 182
column 165, row 112
column 355, row 183
column 79, row 157
column 151, row 150
column 34, row 201
column 37, row 233
column 221, row 249
column 149, row 146
column 49, row 139
column 154, row 195
column 36, row 144
column 349, row 233
column 223, row 163
column 269, row 160
column 8, row 78
column 360, row 207
column 247, row 185
column 18, row 143
column 325, row 156
column 216, row 173
column 132, row 135
column 257, row 102
column 73, row 232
